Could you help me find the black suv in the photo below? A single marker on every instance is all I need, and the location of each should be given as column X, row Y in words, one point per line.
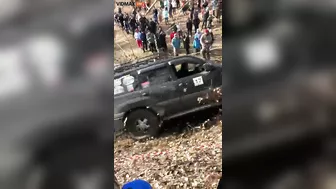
column 147, row 93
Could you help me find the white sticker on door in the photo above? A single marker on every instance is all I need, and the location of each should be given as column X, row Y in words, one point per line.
column 198, row 81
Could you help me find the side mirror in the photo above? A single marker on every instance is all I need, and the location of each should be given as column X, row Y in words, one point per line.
column 208, row 67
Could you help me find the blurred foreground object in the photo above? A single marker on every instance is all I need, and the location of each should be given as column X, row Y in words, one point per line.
column 137, row 184
column 279, row 98
column 55, row 129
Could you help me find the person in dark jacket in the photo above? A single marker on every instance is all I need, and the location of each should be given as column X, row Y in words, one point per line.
column 170, row 9
column 143, row 38
column 143, row 23
column 192, row 13
column 205, row 4
column 196, row 12
column 205, row 19
column 156, row 16
column 189, row 26
column 121, row 20
column 199, row 4
column 162, row 41
column 152, row 26
column 196, row 23
column 212, row 37
column 151, row 41
column 132, row 24
column 186, row 43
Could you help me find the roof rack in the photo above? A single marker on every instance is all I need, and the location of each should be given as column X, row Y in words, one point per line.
column 122, row 67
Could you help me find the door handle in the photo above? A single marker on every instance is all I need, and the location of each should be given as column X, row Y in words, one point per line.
column 180, row 84
column 144, row 94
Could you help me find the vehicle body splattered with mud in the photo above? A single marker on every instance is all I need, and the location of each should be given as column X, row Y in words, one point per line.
column 150, row 92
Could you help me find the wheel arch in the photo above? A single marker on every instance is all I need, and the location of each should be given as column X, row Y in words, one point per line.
column 150, row 109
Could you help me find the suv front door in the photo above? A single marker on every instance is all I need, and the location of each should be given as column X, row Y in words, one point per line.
column 193, row 84
column 162, row 90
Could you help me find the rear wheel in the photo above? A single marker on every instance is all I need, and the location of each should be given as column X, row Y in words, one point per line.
column 142, row 124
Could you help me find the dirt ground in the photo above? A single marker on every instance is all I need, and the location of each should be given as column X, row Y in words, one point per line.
column 189, row 153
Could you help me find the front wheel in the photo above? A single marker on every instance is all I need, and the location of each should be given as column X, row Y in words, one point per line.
column 142, row 124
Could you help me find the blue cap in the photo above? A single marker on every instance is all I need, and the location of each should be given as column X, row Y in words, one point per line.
column 137, row 184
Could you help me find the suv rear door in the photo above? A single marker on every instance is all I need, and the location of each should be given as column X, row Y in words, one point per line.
column 194, row 84
column 162, row 89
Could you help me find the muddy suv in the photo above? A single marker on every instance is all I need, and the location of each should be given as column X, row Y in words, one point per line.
column 148, row 93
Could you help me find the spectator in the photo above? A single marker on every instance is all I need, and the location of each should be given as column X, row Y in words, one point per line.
column 178, row 4
column 205, row 4
column 179, row 33
column 198, row 33
column 165, row 15
column 134, row 12
column 152, row 26
column 196, row 23
column 196, row 12
column 199, row 4
column 174, row 6
column 185, row 7
column 121, row 20
column 214, row 6
column 162, row 4
column 162, row 41
column 206, row 42
column 132, row 24
column 143, row 38
column 176, row 43
column 144, row 5
column 170, row 10
column 205, row 19
column 151, row 41
column 116, row 18
column 172, row 35
column 177, row 27
column 209, row 24
column 189, row 26
column 197, row 43
column 192, row 13
column 137, row 36
column 186, row 43
column 143, row 23
column 212, row 37
column 126, row 23
column 155, row 16
column 166, row 3
column 160, row 15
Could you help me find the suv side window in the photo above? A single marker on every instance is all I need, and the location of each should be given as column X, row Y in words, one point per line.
column 155, row 77
column 187, row 69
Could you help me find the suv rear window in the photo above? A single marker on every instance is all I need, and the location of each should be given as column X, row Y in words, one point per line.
column 127, row 83
column 154, row 77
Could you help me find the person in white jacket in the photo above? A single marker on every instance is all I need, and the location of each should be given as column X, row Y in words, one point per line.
column 174, row 5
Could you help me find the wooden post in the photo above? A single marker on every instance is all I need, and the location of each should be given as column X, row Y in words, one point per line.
column 151, row 7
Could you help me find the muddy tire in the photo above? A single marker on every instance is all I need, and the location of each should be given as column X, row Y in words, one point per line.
column 142, row 124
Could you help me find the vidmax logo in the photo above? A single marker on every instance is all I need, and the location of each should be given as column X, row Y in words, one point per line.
column 125, row 3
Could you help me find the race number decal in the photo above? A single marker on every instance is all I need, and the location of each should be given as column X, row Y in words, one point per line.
column 198, row 81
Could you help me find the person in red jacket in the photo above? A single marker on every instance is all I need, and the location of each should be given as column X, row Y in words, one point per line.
column 171, row 36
